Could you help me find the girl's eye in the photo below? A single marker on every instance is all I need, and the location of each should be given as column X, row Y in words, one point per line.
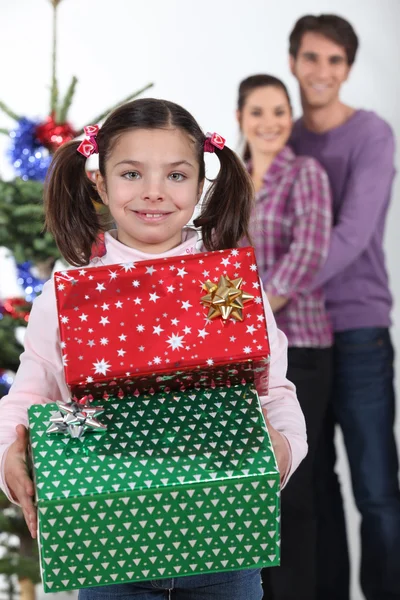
column 256, row 113
column 177, row 177
column 131, row 175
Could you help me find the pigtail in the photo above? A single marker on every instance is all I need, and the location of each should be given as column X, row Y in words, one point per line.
column 70, row 215
column 227, row 205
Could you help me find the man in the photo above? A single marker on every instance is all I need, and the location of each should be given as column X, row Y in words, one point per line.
column 356, row 148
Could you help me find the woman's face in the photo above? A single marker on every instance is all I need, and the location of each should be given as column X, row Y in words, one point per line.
column 266, row 120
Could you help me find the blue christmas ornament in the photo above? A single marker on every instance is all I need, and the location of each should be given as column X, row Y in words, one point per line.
column 6, row 381
column 32, row 285
column 29, row 158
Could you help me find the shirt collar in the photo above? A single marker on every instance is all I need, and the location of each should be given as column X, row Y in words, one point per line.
column 279, row 165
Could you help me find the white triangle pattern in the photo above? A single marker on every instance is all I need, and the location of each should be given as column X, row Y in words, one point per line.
column 193, row 489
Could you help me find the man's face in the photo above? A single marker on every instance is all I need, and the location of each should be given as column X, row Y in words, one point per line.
column 320, row 68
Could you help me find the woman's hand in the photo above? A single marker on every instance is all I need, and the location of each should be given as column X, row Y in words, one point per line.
column 277, row 302
column 280, row 446
column 18, row 480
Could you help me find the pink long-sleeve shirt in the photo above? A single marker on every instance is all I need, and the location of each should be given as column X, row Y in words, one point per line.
column 40, row 378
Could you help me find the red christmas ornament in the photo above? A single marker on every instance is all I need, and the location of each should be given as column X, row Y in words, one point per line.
column 17, row 308
column 52, row 135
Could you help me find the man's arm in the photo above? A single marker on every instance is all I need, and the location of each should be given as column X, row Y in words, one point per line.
column 365, row 198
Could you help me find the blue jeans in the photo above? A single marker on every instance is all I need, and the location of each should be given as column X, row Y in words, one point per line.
column 235, row 585
column 363, row 406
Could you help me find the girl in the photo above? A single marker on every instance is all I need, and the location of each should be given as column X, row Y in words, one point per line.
column 151, row 176
column 290, row 225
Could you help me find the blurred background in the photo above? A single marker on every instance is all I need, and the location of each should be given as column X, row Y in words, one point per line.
column 196, row 53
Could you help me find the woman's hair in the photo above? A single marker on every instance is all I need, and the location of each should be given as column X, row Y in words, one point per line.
column 334, row 28
column 250, row 84
column 70, row 195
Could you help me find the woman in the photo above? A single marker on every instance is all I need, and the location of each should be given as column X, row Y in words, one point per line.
column 290, row 229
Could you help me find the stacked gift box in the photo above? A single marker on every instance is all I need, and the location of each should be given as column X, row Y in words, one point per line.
column 169, row 470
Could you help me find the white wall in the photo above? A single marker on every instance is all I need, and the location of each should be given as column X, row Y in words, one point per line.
column 196, row 52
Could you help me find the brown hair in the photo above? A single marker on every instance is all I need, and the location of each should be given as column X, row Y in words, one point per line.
column 69, row 194
column 251, row 83
column 332, row 27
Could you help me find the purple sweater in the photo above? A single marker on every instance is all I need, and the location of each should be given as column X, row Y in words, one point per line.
column 358, row 157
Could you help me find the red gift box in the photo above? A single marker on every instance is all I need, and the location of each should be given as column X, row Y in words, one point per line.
column 143, row 327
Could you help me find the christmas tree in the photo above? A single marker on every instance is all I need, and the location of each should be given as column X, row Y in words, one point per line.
column 31, row 254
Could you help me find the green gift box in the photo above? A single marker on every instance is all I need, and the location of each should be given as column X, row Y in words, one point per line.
column 181, row 483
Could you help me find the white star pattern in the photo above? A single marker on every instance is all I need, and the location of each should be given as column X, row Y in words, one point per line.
column 128, row 266
column 101, row 367
column 140, row 292
column 89, row 379
column 175, row 341
column 82, row 272
column 65, row 359
column 63, row 344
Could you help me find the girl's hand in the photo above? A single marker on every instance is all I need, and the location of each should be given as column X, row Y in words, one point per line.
column 18, row 480
column 280, row 446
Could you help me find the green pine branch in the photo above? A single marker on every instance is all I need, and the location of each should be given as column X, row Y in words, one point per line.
column 54, row 84
column 10, row 348
column 9, row 112
column 103, row 115
column 22, row 222
column 62, row 112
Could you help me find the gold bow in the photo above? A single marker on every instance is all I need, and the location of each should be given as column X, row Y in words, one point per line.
column 225, row 299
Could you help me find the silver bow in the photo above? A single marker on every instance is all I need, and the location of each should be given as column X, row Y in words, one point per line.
column 75, row 419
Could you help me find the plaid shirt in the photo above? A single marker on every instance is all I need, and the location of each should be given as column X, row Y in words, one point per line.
column 290, row 229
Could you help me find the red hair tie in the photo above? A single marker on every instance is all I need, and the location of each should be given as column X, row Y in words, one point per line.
column 212, row 141
column 89, row 146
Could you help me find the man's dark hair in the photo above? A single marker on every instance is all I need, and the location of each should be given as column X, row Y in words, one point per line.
column 332, row 27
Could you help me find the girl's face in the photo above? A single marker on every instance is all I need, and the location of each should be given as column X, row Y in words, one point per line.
column 151, row 187
column 266, row 120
